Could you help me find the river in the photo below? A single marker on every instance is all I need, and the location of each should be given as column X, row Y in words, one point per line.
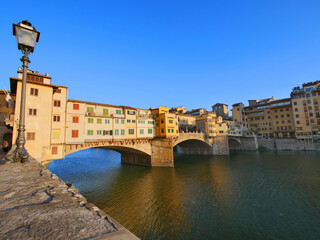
column 247, row 195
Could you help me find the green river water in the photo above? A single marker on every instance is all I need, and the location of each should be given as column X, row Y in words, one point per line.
column 247, row 195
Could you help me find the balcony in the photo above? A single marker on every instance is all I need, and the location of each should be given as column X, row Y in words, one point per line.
column 115, row 115
column 91, row 114
column 9, row 120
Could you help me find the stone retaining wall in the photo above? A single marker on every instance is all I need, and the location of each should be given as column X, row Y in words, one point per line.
column 289, row 144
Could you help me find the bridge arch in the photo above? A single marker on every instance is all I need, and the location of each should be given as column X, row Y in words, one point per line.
column 234, row 143
column 194, row 146
column 131, row 151
column 191, row 136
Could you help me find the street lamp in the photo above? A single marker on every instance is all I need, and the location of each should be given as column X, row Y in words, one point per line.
column 27, row 36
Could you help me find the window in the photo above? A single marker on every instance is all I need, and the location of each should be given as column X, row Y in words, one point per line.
column 34, row 91
column 131, row 131
column 116, row 132
column 107, row 121
column 32, row 112
column 122, row 132
column 118, row 112
column 75, row 119
column 296, row 109
column 105, row 112
column 99, row 120
column 56, row 103
column 128, row 121
column 150, row 122
column 282, row 116
column 133, row 121
column 116, row 121
column 99, row 132
column 58, row 91
column 75, row 106
column 90, row 109
column 31, row 136
column 168, row 130
column 276, row 116
column 170, row 121
column 298, row 122
column 141, row 131
column 161, row 121
column 55, row 134
column 149, row 131
column 162, row 130
column 122, row 121
column 297, row 115
column 56, row 118
column 172, row 130
column 90, row 120
column 54, row 150
column 75, row 133
column 90, row 132
column 295, row 103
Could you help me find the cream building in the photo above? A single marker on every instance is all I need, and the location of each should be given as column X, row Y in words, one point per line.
column 305, row 104
column 45, row 115
column 145, row 124
column 187, row 123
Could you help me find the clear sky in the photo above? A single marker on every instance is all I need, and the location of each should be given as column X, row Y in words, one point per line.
column 169, row 52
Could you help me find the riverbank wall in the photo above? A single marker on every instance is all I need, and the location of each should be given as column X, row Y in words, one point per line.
column 36, row 204
column 289, row 144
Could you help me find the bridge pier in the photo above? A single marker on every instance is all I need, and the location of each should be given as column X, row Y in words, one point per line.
column 220, row 145
column 161, row 155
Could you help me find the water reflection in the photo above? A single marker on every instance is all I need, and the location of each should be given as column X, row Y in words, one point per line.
column 248, row 195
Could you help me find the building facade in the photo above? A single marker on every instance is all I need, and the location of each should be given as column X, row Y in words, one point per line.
column 305, row 104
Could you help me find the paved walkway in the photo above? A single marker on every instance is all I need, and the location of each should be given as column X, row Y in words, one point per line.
column 36, row 204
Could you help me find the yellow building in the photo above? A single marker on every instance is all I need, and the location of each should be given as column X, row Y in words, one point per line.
column 221, row 126
column 206, row 123
column 282, row 118
column 166, row 123
column 258, row 114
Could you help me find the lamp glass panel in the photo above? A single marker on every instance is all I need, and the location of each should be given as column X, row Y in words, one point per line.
column 26, row 37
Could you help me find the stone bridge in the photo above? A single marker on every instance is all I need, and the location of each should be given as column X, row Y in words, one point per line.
column 157, row 151
column 243, row 143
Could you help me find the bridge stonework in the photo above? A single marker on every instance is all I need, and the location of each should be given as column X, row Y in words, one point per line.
column 158, row 152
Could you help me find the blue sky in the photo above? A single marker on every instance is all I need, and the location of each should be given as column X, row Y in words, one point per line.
column 169, row 53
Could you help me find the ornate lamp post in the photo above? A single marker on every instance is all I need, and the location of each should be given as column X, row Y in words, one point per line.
column 27, row 36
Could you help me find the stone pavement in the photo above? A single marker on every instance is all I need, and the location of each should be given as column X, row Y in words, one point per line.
column 36, row 204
